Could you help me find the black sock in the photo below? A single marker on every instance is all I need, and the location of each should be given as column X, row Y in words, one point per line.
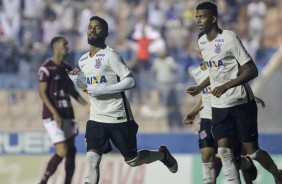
column 51, row 168
column 70, row 164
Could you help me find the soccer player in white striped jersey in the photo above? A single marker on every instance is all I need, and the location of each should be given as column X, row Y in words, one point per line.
column 111, row 120
column 233, row 106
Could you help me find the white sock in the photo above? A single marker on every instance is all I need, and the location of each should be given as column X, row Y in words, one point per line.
column 228, row 164
column 208, row 173
column 92, row 168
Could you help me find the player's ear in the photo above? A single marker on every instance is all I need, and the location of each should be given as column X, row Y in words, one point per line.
column 214, row 18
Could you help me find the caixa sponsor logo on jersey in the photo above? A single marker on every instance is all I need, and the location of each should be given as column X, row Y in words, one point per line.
column 96, row 79
column 24, row 143
column 214, row 64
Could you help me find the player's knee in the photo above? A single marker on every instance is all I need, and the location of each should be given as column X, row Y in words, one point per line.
column 225, row 153
column 62, row 152
column 257, row 155
column 93, row 158
column 208, row 154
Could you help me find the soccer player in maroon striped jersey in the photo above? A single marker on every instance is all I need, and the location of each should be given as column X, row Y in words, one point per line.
column 55, row 89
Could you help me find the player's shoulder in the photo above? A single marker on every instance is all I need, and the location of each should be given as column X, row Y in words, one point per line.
column 230, row 35
column 47, row 62
column 112, row 55
column 83, row 57
column 111, row 52
column 202, row 39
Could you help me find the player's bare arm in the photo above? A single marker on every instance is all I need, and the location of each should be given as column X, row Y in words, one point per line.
column 194, row 90
column 188, row 119
column 81, row 100
column 42, row 89
column 247, row 72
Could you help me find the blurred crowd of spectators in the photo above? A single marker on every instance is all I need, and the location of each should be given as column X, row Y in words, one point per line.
column 140, row 30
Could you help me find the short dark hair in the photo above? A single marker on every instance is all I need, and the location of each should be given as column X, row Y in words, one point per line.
column 55, row 40
column 208, row 5
column 102, row 21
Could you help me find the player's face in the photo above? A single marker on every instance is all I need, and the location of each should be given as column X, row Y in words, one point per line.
column 96, row 33
column 62, row 47
column 204, row 20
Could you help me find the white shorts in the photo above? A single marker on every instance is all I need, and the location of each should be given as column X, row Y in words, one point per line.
column 58, row 134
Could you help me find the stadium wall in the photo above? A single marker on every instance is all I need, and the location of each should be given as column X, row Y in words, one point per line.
column 24, row 157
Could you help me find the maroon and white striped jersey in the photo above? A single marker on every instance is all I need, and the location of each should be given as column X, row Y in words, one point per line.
column 59, row 88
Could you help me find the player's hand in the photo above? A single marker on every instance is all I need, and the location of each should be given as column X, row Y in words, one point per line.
column 75, row 71
column 193, row 90
column 58, row 119
column 197, row 127
column 189, row 118
column 218, row 91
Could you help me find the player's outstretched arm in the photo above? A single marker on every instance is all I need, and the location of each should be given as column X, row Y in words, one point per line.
column 188, row 119
column 127, row 83
column 81, row 100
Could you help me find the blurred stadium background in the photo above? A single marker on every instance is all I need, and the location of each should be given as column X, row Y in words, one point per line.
column 142, row 31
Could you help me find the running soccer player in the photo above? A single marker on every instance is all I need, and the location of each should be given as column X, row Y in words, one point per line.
column 233, row 106
column 106, row 78
column 207, row 145
column 55, row 89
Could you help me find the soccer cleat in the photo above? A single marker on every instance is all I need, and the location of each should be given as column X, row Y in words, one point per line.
column 278, row 180
column 252, row 170
column 168, row 160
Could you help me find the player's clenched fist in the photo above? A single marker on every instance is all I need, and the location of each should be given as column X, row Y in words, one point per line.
column 193, row 90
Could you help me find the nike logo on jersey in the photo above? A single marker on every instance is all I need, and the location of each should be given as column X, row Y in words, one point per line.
column 83, row 58
column 96, row 79
column 214, row 64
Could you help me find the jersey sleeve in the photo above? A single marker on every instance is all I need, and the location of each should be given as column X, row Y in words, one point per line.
column 43, row 74
column 239, row 51
column 118, row 66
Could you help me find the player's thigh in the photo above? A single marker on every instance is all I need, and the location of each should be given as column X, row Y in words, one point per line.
column 70, row 128
column 205, row 134
column 96, row 137
column 246, row 122
column 54, row 131
column 124, row 138
column 223, row 126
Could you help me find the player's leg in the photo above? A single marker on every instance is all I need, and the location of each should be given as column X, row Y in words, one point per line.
column 70, row 161
column 249, row 135
column 207, row 149
column 71, row 130
column 57, row 137
column 97, row 144
column 223, row 129
column 124, row 138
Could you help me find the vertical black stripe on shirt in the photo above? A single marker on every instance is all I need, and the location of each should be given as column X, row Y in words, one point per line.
column 124, row 102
